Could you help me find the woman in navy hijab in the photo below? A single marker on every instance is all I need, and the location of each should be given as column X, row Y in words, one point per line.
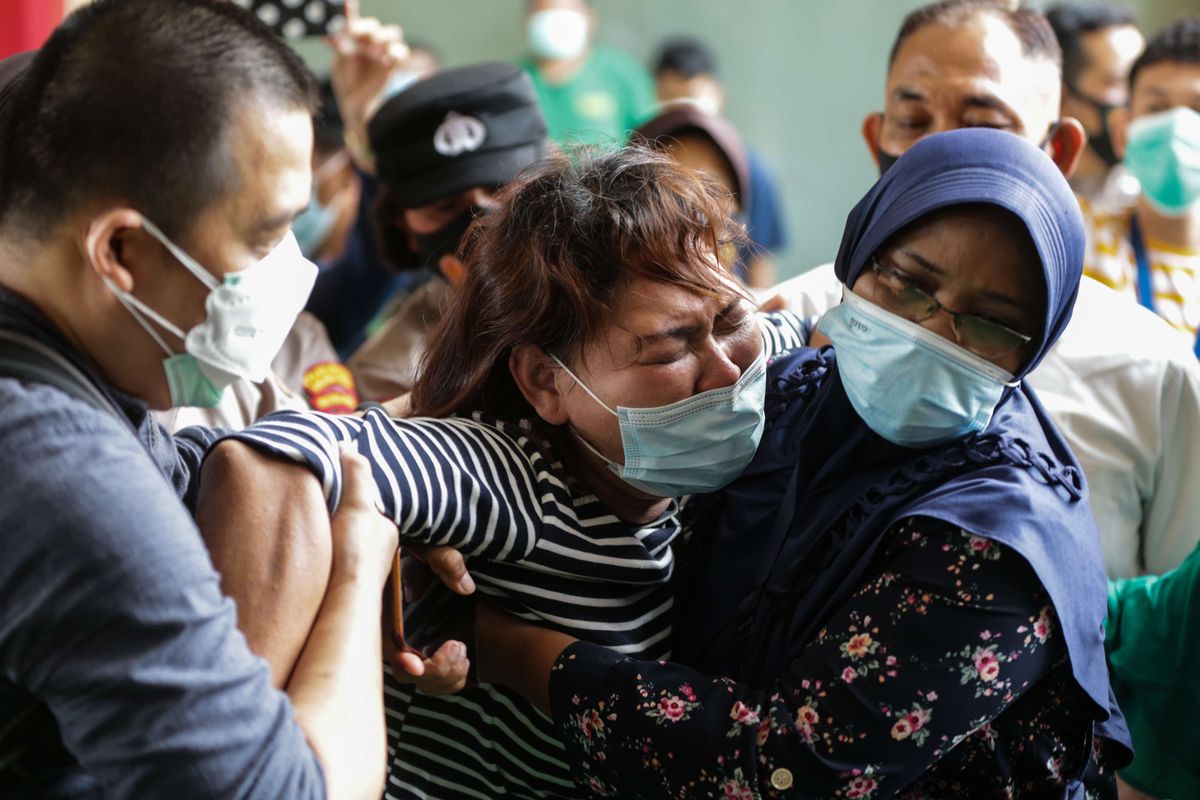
column 903, row 596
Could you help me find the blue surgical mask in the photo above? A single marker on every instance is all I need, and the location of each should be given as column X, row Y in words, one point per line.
column 695, row 445
column 312, row 226
column 398, row 82
column 907, row 383
column 1164, row 154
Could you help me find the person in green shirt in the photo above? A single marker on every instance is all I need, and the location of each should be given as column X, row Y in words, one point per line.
column 1152, row 639
column 590, row 94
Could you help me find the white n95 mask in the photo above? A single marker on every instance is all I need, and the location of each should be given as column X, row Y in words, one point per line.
column 248, row 316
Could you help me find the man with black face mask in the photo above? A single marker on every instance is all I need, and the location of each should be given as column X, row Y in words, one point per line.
column 431, row 154
column 442, row 148
column 1099, row 45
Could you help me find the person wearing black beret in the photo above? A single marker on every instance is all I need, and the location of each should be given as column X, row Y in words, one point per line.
column 442, row 148
column 432, row 153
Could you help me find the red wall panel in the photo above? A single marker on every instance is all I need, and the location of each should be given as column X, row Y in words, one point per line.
column 25, row 24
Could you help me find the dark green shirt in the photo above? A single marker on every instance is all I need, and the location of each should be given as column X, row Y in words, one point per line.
column 1153, row 644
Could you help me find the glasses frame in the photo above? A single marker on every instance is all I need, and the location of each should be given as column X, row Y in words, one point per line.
column 1021, row 339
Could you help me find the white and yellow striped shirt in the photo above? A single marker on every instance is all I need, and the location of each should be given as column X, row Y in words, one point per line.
column 1174, row 271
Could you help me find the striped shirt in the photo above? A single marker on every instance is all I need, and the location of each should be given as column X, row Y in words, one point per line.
column 536, row 540
column 1174, row 271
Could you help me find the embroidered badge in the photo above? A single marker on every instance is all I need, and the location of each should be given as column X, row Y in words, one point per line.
column 459, row 134
column 330, row 388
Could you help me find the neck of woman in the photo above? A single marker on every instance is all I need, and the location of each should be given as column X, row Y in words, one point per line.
column 625, row 502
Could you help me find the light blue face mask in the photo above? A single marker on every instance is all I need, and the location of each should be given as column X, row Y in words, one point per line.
column 312, row 226
column 1164, row 155
column 910, row 385
column 696, row 445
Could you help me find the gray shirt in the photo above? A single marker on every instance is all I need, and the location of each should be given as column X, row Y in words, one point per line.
column 122, row 672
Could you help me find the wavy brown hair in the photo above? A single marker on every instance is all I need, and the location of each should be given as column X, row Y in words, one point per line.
column 549, row 266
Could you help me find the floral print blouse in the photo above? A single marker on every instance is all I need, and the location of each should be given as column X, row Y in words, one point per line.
column 945, row 675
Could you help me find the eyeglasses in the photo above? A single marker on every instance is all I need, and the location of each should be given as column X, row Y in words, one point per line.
column 895, row 292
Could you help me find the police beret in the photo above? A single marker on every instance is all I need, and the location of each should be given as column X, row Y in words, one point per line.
column 459, row 128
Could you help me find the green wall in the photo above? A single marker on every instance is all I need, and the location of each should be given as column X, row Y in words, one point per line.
column 800, row 76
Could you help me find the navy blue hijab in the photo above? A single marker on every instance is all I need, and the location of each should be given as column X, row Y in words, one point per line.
column 788, row 543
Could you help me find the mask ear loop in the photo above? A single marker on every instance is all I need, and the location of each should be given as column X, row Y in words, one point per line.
column 596, row 452
column 603, row 404
column 137, row 308
column 203, row 275
column 584, row 386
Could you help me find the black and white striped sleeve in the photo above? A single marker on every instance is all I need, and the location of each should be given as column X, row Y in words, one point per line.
column 783, row 331
column 456, row 482
column 309, row 438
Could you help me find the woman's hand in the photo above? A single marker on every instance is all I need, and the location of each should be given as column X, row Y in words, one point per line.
column 337, row 686
column 447, row 564
column 441, row 671
column 516, row 653
column 365, row 54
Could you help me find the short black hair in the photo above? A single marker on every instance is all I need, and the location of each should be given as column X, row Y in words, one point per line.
column 688, row 57
column 1028, row 24
column 1179, row 41
column 1072, row 21
column 133, row 100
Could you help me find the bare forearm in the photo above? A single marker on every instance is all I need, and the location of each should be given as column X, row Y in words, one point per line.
column 337, row 689
column 267, row 530
column 517, row 654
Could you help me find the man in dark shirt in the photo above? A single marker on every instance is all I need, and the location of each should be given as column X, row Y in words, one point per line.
column 152, row 157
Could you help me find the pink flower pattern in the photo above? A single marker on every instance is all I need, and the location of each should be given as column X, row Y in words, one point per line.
column 861, row 787
column 863, row 695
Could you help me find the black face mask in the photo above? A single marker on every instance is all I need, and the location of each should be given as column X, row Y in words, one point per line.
column 1101, row 143
column 886, row 160
column 444, row 241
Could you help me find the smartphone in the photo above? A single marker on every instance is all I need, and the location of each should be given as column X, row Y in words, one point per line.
column 297, row 19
